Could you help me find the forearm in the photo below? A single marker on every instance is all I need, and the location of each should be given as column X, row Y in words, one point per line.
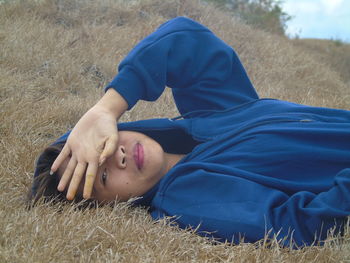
column 311, row 215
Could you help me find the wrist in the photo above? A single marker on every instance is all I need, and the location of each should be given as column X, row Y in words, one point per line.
column 113, row 102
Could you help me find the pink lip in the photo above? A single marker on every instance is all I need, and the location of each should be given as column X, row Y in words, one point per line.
column 138, row 155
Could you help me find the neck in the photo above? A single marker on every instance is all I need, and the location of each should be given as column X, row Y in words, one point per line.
column 171, row 160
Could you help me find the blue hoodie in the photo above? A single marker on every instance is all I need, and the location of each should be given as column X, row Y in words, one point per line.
column 252, row 166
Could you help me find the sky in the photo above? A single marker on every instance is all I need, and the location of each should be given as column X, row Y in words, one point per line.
column 328, row 19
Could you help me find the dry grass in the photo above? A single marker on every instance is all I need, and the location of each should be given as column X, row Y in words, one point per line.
column 56, row 56
column 334, row 53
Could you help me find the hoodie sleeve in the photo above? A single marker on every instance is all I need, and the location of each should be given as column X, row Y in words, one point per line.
column 203, row 72
column 308, row 217
column 242, row 209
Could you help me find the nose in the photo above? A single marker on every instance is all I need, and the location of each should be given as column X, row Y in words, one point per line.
column 121, row 157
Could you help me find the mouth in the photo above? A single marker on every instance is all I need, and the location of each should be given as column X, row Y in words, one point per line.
column 138, row 155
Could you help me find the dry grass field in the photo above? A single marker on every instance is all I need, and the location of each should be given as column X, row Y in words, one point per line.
column 56, row 57
column 333, row 52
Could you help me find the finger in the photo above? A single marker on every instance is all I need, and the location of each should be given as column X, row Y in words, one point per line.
column 79, row 172
column 67, row 175
column 109, row 149
column 89, row 180
column 64, row 154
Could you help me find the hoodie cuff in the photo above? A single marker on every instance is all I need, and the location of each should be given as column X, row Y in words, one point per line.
column 128, row 85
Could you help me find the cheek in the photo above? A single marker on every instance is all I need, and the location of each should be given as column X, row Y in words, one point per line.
column 123, row 188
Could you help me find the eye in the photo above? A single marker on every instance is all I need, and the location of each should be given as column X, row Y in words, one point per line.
column 104, row 177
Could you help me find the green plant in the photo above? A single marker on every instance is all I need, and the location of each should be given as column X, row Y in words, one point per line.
column 263, row 14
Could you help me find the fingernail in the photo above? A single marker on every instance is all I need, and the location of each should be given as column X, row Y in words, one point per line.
column 51, row 172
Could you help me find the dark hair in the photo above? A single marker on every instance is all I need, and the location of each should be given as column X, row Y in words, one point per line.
column 44, row 185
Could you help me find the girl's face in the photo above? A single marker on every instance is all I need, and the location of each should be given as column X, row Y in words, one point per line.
column 137, row 165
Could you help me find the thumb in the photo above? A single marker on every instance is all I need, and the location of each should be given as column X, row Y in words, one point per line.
column 109, row 149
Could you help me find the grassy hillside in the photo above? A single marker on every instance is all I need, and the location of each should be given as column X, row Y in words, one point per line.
column 333, row 53
column 56, row 57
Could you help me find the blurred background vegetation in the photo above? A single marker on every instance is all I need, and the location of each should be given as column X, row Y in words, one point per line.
column 266, row 15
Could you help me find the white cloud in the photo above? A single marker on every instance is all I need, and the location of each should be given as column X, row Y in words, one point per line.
column 332, row 6
column 305, row 6
column 318, row 18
